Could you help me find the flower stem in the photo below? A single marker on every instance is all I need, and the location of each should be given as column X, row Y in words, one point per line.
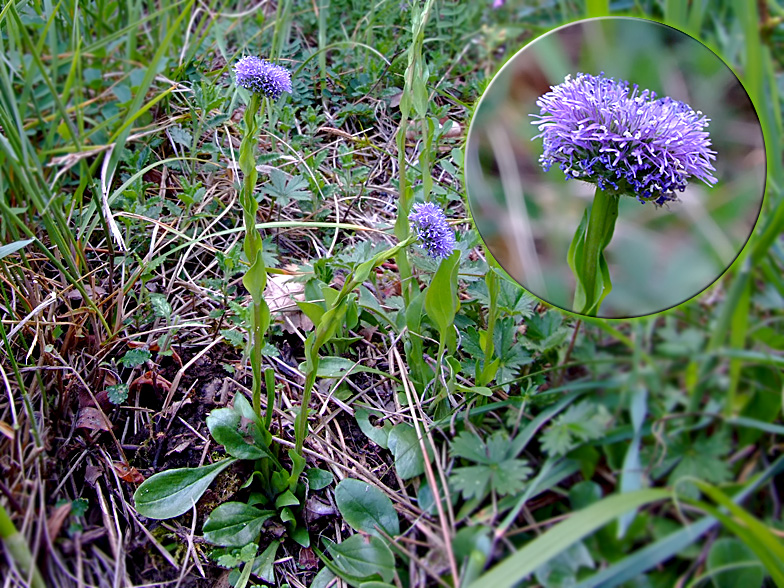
column 402, row 229
column 332, row 320
column 489, row 366
column 301, row 430
column 595, row 275
column 247, row 162
column 256, row 276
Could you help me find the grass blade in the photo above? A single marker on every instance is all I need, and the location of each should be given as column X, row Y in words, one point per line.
column 640, row 561
column 584, row 522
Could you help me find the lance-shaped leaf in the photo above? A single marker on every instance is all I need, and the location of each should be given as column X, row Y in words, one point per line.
column 441, row 302
column 255, row 279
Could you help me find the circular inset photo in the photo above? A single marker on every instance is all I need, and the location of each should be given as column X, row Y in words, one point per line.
column 615, row 167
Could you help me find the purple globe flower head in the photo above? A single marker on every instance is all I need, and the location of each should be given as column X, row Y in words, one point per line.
column 622, row 139
column 261, row 76
column 432, row 229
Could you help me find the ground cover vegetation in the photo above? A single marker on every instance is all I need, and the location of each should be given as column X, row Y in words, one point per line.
column 209, row 380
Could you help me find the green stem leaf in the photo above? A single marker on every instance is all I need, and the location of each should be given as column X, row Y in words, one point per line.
column 586, row 253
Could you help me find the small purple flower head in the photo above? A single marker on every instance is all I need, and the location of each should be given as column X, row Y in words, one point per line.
column 607, row 133
column 432, row 229
column 261, row 76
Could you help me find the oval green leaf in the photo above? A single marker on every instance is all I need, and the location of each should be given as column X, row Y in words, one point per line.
column 363, row 557
column 223, row 424
column 379, row 435
column 171, row 493
column 319, row 479
column 366, row 508
column 404, row 445
column 732, row 563
column 234, row 524
column 286, row 499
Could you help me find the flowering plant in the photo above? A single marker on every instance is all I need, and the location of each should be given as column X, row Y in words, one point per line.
column 626, row 142
column 261, row 78
column 243, row 429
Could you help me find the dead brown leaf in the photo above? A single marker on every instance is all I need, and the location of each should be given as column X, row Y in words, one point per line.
column 282, row 294
column 92, row 419
column 128, row 473
column 417, row 129
column 95, row 293
column 54, row 523
column 87, row 400
column 180, row 447
column 149, row 378
column 6, row 430
column 315, row 508
column 307, row 559
column 92, row 473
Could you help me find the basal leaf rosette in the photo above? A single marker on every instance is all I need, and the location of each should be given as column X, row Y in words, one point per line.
column 624, row 140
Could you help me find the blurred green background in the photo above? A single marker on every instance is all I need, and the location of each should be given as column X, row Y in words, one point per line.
column 659, row 257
